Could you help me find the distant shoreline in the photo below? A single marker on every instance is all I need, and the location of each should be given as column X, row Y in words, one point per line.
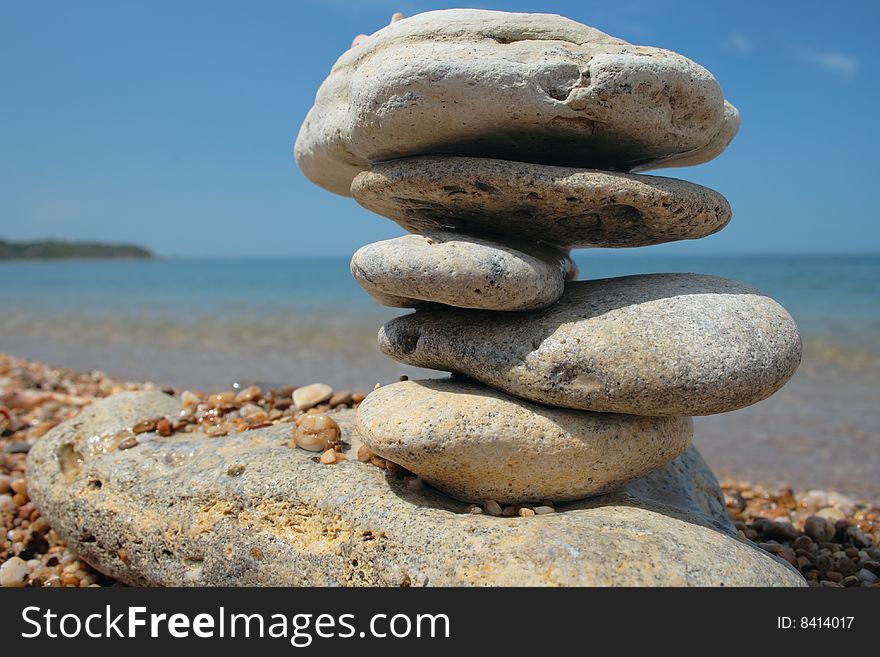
column 64, row 250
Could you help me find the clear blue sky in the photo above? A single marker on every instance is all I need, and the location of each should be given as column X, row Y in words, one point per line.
column 171, row 123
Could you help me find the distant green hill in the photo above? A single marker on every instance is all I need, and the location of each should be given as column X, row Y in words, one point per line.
column 58, row 249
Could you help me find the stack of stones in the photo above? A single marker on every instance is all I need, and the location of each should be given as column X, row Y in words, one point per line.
column 500, row 142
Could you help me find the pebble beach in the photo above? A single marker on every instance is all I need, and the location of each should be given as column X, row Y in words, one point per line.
column 832, row 539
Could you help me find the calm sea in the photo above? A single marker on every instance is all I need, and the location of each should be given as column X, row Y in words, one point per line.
column 207, row 323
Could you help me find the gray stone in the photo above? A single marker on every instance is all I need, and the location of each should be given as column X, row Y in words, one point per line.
column 247, row 510
column 478, row 444
column 529, row 87
column 658, row 344
column 726, row 133
column 461, row 271
column 557, row 205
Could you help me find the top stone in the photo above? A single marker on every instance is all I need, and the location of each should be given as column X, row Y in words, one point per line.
column 531, row 87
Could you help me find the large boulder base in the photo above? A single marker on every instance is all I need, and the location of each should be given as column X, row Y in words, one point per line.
column 247, row 510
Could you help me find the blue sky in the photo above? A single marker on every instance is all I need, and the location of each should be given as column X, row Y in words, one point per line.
column 171, row 124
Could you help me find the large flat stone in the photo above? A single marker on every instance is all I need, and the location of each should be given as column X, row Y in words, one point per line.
column 557, row 205
column 247, row 510
column 457, row 270
column 658, row 344
column 477, row 444
column 530, row 87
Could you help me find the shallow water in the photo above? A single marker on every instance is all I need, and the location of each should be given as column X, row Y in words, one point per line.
column 207, row 323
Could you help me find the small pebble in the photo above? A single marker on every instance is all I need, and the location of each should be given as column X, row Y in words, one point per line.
column 475, row 509
column 144, row 426
column 834, row 576
column 7, row 504
column 525, row 512
column 340, row 399
column 128, row 443
column 311, row 395
column 315, row 432
column 831, row 514
column 819, row 529
column 328, row 457
column 14, row 573
column 364, row 454
column 508, row 512
column 802, row 543
column 780, row 531
column 221, row 399
column 544, row 509
column 249, row 394
column 492, row 508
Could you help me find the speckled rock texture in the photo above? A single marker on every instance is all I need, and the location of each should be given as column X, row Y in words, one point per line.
column 457, row 270
column 247, row 510
column 557, row 205
column 530, row 87
column 726, row 133
column 657, row 344
column 477, row 444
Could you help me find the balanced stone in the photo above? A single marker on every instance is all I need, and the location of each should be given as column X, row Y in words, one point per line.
column 726, row 133
column 530, row 87
column 658, row 344
column 247, row 510
column 462, row 271
column 558, row 205
column 479, row 444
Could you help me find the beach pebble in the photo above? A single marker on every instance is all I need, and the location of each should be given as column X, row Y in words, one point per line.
column 656, row 344
column 5, row 481
column 492, row 508
column 819, row 529
column 226, row 398
column 343, row 398
column 14, row 573
column 476, row 443
column 832, row 514
column 557, row 205
column 248, row 394
column 7, row 504
column 528, row 87
column 308, row 396
column 857, row 536
column 780, row 531
column 462, row 271
column 316, row 432
column 865, row 575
